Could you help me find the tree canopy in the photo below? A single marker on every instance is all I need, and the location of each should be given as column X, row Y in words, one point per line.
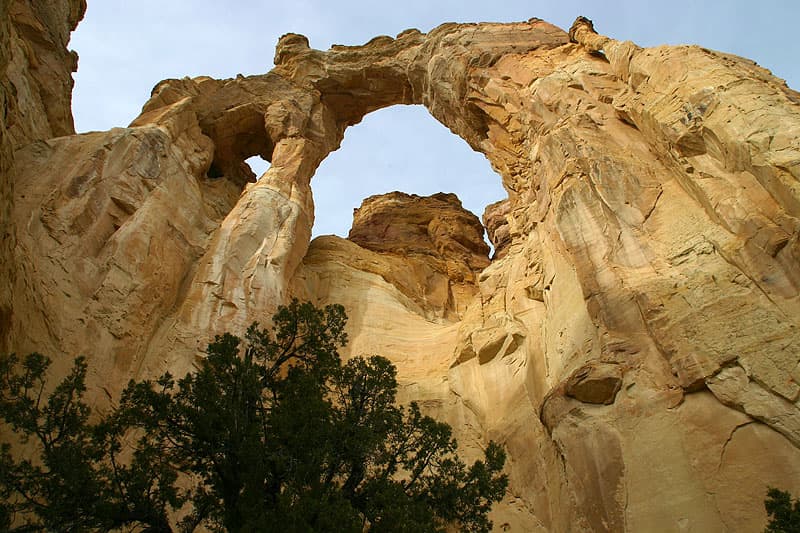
column 783, row 512
column 271, row 433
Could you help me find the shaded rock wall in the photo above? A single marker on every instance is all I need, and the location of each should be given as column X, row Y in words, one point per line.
column 634, row 343
column 35, row 98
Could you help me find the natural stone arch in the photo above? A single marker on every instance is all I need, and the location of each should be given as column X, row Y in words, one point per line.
column 307, row 101
column 645, row 210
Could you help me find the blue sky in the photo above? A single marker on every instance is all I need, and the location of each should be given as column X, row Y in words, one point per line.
column 126, row 47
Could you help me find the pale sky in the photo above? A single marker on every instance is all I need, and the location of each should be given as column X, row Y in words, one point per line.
column 127, row 47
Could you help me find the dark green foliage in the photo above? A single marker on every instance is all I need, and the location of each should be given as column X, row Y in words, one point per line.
column 784, row 512
column 76, row 483
column 272, row 433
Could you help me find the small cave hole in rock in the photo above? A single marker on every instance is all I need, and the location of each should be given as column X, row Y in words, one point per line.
column 399, row 148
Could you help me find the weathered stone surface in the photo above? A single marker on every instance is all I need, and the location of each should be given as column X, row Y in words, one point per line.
column 37, row 68
column 595, row 383
column 495, row 218
column 635, row 343
column 35, row 96
column 733, row 387
column 434, row 237
column 408, row 224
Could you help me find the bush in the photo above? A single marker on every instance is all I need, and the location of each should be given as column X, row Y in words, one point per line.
column 272, row 433
column 783, row 512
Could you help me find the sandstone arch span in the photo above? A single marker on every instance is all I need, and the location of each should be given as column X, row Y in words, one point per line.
column 304, row 106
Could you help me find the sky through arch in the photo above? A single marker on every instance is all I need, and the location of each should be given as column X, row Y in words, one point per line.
column 398, row 148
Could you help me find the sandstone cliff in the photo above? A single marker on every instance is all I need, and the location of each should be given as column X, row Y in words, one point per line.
column 634, row 342
column 35, row 95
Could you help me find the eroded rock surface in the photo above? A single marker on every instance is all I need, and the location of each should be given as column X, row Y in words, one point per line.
column 35, row 98
column 495, row 218
column 634, row 343
column 439, row 244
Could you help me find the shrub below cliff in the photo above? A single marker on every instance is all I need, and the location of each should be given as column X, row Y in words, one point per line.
column 271, row 433
column 783, row 511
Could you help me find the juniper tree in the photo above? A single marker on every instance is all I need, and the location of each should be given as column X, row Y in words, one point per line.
column 271, row 433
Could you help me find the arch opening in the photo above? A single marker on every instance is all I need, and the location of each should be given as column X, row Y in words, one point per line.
column 258, row 165
column 400, row 148
column 238, row 137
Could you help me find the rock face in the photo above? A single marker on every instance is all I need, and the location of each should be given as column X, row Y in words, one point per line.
column 437, row 246
column 495, row 218
column 35, row 96
column 634, row 343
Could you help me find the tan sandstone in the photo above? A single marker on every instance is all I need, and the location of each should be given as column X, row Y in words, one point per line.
column 35, row 95
column 634, row 343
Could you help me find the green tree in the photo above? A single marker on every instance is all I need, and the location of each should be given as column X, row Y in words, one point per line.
column 783, row 512
column 273, row 433
column 76, row 482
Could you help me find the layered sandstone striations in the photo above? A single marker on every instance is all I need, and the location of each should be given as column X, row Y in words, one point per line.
column 634, row 342
column 438, row 246
column 35, row 96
